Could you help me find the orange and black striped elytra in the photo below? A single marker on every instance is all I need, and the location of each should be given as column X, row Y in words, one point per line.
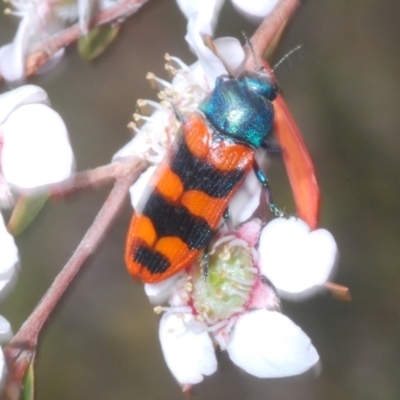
column 191, row 188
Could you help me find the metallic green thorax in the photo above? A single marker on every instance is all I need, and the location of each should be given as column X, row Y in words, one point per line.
column 241, row 108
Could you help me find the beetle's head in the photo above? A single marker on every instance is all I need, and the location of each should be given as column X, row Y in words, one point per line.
column 261, row 83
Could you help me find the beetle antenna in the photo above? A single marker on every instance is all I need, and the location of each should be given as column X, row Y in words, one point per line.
column 286, row 56
column 248, row 42
column 209, row 42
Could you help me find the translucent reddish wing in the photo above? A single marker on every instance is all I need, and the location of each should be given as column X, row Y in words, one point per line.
column 299, row 166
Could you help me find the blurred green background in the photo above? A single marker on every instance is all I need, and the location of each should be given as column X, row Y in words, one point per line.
column 102, row 342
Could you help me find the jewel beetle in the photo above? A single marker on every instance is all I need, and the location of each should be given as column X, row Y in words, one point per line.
column 190, row 190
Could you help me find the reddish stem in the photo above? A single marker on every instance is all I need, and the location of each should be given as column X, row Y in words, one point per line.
column 269, row 28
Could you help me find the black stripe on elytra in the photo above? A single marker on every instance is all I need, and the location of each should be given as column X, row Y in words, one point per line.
column 200, row 175
column 152, row 260
column 170, row 220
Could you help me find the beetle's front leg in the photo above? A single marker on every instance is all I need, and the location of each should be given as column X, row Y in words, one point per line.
column 264, row 181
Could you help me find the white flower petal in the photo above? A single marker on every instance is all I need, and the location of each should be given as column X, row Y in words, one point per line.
column 255, row 10
column 294, row 259
column 85, row 11
column 210, row 63
column 6, row 196
column 231, row 51
column 12, row 56
column 8, row 261
column 267, row 344
column 3, row 369
column 206, row 11
column 137, row 190
column 245, row 201
column 26, row 94
column 5, row 330
column 189, row 352
column 159, row 293
column 7, row 282
column 36, row 149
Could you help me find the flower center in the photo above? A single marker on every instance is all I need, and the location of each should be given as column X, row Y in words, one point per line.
column 226, row 289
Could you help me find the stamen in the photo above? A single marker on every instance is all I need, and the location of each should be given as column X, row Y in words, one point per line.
column 166, row 105
column 154, row 79
column 177, row 310
column 238, row 242
column 9, row 11
column 177, row 60
column 238, row 310
column 244, row 282
column 136, row 117
column 188, row 287
column 173, row 71
column 199, row 318
column 148, row 106
column 225, row 255
column 254, row 254
column 155, row 159
column 185, row 297
column 253, row 270
column 217, row 326
column 231, row 322
column 223, row 240
column 146, row 118
column 238, row 293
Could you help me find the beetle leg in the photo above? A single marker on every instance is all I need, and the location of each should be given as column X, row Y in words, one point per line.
column 264, row 181
column 204, row 261
column 226, row 215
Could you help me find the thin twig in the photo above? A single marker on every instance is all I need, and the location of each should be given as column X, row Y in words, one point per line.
column 92, row 178
column 20, row 351
column 46, row 49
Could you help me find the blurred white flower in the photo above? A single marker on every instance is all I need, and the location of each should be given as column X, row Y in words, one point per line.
column 34, row 143
column 237, row 305
column 8, row 264
column 254, row 10
column 41, row 19
column 38, row 22
column 8, row 258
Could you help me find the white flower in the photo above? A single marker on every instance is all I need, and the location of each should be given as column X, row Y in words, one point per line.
column 236, row 306
column 38, row 22
column 8, row 258
column 40, row 19
column 35, row 148
column 8, row 264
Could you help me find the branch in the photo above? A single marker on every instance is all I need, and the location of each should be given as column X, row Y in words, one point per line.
column 20, row 351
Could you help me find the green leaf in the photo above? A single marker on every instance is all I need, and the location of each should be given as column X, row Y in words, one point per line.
column 28, row 392
column 25, row 211
column 96, row 41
